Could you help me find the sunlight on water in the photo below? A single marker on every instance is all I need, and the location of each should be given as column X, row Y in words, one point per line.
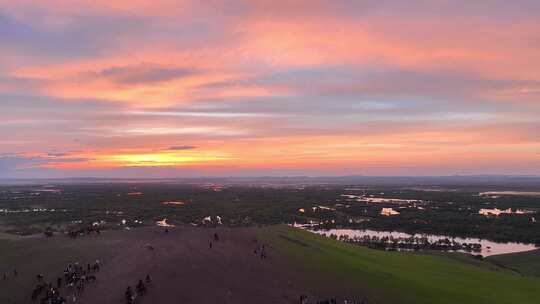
column 163, row 223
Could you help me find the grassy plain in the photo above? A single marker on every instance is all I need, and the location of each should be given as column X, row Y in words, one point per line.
column 527, row 263
column 394, row 277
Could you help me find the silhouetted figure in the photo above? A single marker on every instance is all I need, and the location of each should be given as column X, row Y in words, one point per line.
column 210, row 245
column 141, row 288
column 148, row 279
column 129, row 295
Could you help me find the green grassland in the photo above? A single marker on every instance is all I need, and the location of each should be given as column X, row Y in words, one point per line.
column 394, row 277
column 527, row 263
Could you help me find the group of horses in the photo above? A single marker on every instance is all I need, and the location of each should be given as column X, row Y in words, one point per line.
column 305, row 300
column 75, row 232
column 74, row 280
column 5, row 275
column 140, row 290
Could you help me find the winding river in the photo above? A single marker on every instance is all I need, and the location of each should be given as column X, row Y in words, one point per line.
column 488, row 247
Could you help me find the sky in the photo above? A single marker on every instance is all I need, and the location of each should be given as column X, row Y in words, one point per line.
column 269, row 88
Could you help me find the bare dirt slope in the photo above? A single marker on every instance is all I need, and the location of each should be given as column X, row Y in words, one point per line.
column 185, row 270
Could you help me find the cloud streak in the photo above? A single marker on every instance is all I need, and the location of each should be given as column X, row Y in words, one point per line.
column 181, row 148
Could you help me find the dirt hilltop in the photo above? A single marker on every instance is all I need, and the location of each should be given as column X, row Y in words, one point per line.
column 184, row 269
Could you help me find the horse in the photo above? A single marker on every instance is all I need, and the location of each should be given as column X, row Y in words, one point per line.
column 141, row 289
column 80, row 287
column 128, row 295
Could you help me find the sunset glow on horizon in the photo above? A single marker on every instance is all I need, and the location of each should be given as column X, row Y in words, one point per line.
column 226, row 88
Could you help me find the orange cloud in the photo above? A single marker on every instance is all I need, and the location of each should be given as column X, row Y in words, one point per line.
column 430, row 149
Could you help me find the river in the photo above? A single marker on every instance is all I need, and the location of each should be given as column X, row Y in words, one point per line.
column 488, row 247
